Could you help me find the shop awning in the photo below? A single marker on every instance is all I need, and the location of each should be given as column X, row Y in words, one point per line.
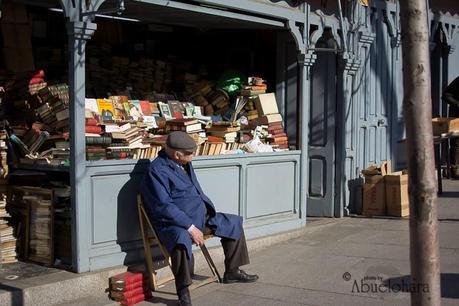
column 190, row 15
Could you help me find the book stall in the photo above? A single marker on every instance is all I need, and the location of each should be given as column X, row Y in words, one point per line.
column 137, row 90
column 118, row 127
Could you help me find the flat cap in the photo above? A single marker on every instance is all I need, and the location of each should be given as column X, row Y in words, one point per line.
column 179, row 140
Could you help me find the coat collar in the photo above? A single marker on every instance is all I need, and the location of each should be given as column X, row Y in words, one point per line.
column 177, row 168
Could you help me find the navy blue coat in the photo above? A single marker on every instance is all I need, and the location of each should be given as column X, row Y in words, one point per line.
column 174, row 200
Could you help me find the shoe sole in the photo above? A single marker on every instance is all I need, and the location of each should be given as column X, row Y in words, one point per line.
column 238, row 281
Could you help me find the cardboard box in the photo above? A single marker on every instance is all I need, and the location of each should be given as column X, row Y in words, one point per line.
column 374, row 196
column 397, row 199
column 266, row 104
column 444, row 125
column 374, row 193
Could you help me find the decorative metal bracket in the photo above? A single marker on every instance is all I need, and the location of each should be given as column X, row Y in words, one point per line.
column 298, row 35
column 350, row 63
column 82, row 10
column 394, row 32
column 451, row 32
column 93, row 8
column 307, row 59
column 366, row 37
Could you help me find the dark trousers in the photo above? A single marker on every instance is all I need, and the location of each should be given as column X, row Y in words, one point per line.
column 235, row 251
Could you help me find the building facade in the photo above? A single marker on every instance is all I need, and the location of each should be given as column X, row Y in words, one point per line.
column 338, row 87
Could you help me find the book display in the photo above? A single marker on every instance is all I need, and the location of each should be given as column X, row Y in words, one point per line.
column 118, row 127
column 134, row 98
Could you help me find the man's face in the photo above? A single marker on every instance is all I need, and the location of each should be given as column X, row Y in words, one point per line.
column 183, row 157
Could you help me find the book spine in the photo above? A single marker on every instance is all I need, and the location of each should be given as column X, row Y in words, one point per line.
column 98, row 140
column 119, row 295
column 91, row 121
column 122, row 287
column 93, row 129
column 126, row 278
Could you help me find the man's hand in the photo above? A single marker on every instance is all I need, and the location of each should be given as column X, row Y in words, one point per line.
column 196, row 235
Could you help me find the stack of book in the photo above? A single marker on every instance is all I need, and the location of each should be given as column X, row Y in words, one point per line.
column 277, row 137
column 40, row 227
column 35, row 137
column 92, row 127
column 188, row 80
column 146, row 153
column 119, row 151
column 130, row 137
column 226, row 130
column 37, row 82
column 96, row 147
column 162, row 76
column 107, row 73
column 201, row 89
column 254, row 87
column 187, row 125
column 36, row 206
column 3, row 158
column 54, row 109
column 219, row 100
column 7, row 240
column 213, row 146
column 129, row 288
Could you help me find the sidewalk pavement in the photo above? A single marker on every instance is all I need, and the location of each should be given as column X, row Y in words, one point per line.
column 328, row 266
column 348, row 261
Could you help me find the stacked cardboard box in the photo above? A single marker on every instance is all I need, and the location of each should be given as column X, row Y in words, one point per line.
column 397, row 198
column 374, row 193
column 385, row 192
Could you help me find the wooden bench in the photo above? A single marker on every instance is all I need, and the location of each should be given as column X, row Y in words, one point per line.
column 148, row 241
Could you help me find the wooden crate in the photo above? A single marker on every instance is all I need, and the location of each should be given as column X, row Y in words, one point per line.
column 444, row 125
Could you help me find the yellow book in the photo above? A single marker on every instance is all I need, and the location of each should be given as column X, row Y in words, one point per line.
column 106, row 109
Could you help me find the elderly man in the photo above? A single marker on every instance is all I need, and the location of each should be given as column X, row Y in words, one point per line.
column 181, row 213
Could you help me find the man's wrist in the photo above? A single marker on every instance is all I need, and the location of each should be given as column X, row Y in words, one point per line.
column 191, row 228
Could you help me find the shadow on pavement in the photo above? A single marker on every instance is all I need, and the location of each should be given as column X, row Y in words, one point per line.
column 164, row 301
column 449, row 284
column 17, row 295
column 447, row 219
column 449, row 194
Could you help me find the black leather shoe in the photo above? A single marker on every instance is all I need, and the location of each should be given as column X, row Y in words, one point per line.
column 239, row 276
column 184, row 298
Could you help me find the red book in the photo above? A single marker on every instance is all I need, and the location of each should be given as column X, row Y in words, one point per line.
column 127, row 278
column 145, row 107
column 277, row 128
column 93, row 129
column 37, row 77
column 121, row 286
column 279, row 133
column 123, row 295
column 280, row 139
column 91, row 122
column 275, row 125
column 135, row 299
column 215, row 139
